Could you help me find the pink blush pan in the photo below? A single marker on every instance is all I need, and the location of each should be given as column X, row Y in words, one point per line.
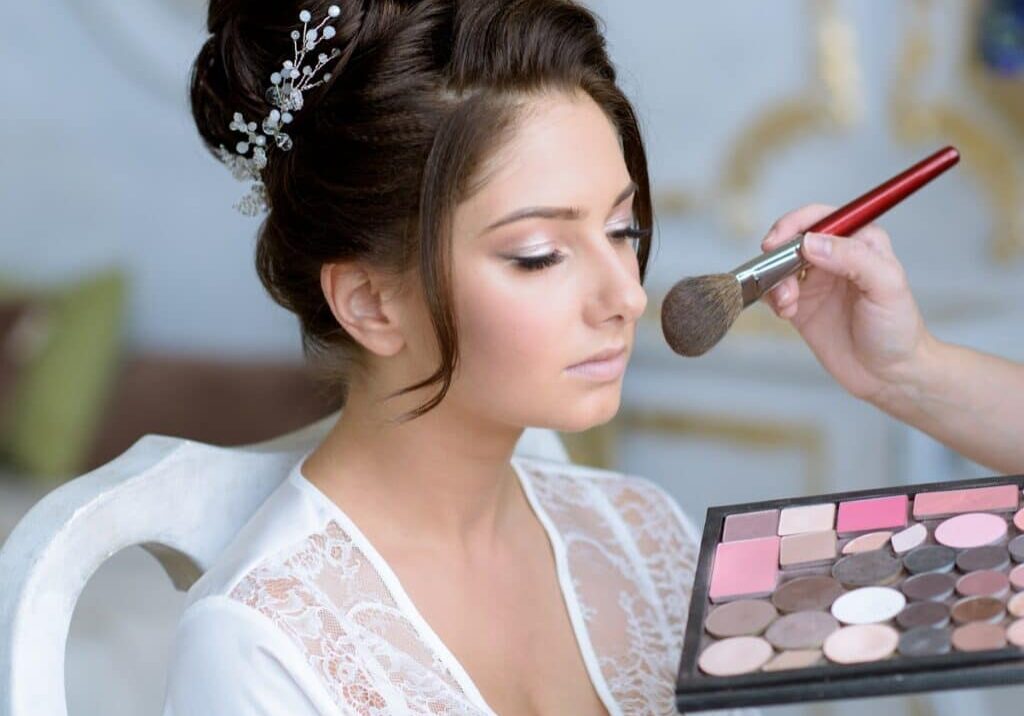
column 878, row 513
column 1001, row 498
column 975, row 529
column 744, row 568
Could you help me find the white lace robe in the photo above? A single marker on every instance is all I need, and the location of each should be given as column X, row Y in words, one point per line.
column 301, row 616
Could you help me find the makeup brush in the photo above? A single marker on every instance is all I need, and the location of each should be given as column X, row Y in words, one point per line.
column 698, row 311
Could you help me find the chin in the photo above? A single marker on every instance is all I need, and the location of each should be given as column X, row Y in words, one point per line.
column 577, row 413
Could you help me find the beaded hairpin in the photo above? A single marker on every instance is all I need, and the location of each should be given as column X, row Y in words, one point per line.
column 285, row 94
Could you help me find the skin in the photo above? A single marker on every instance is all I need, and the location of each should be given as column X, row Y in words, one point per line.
column 437, row 496
column 856, row 312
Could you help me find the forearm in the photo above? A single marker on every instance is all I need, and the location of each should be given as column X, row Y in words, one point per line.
column 971, row 401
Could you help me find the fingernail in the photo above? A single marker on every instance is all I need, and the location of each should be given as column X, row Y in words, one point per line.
column 818, row 244
column 782, row 293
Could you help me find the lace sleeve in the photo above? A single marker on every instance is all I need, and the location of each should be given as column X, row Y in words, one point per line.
column 666, row 540
column 229, row 659
column 670, row 542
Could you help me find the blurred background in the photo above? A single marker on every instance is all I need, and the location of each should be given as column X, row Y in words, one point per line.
column 129, row 303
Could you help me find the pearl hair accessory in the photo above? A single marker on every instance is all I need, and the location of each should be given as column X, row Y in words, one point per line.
column 285, row 93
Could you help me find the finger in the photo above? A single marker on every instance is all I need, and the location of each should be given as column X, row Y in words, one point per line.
column 784, row 295
column 877, row 238
column 791, row 224
column 855, row 259
column 772, row 299
column 783, row 304
column 791, row 289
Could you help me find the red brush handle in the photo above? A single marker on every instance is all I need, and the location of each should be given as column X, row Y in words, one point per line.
column 865, row 209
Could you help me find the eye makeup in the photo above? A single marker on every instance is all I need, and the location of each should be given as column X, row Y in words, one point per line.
column 848, row 595
column 535, row 262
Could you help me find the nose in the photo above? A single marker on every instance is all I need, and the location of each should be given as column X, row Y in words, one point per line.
column 617, row 292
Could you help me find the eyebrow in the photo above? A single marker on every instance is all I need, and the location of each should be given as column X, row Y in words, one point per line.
column 555, row 212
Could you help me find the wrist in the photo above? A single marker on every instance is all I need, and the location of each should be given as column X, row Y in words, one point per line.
column 915, row 381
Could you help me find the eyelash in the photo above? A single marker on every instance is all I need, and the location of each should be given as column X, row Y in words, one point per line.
column 535, row 263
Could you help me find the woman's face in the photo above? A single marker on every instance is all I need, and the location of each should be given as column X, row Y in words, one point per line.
column 536, row 295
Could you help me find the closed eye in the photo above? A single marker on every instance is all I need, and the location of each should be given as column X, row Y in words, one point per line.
column 535, row 263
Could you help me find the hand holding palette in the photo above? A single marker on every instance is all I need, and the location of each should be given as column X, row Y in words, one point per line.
column 849, row 595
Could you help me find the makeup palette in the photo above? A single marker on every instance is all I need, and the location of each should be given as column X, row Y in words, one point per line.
column 848, row 595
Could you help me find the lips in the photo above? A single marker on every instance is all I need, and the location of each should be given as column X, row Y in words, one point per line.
column 603, row 355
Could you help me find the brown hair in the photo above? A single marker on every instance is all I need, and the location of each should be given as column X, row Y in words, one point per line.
column 421, row 94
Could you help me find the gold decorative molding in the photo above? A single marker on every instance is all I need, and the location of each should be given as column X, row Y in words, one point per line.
column 597, row 446
column 759, row 320
column 832, row 102
column 592, row 447
column 919, row 705
column 675, row 202
column 988, row 153
column 772, row 130
column 1006, row 94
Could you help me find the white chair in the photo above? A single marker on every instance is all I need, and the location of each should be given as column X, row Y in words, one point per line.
column 181, row 500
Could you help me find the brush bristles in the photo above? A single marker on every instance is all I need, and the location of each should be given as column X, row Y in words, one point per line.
column 697, row 312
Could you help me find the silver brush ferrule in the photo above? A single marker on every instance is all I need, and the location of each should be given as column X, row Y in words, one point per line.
column 758, row 276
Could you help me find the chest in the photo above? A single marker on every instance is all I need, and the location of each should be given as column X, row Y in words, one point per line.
column 509, row 627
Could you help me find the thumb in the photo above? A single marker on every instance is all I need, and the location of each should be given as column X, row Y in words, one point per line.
column 875, row 274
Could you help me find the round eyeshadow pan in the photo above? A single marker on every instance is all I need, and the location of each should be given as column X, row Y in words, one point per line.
column 973, row 529
column 1016, row 548
column 867, row 543
column 868, row 605
column 1018, row 519
column 735, row 655
column 796, row 659
column 929, row 586
column 800, row 630
column 1015, row 633
column 985, row 583
column 924, row 641
column 978, row 636
column 978, row 558
column 1016, row 605
column 929, row 558
column 977, row 609
column 861, row 643
column 866, row 569
column 1016, row 577
column 744, row 617
column 908, row 539
column 806, row 594
column 923, row 614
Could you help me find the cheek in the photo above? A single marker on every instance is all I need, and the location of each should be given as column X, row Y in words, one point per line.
column 513, row 329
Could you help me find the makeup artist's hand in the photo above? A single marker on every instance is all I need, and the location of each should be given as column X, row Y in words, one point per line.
column 857, row 314
column 854, row 308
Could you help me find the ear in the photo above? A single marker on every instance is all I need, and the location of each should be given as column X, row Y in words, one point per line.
column 365, row 304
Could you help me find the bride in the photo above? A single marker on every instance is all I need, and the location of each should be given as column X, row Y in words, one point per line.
column 459, row 214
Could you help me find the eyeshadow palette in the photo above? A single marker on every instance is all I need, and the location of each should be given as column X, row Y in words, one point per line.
column 848, row 595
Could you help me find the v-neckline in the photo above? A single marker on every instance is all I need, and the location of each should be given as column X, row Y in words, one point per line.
column 394, row 585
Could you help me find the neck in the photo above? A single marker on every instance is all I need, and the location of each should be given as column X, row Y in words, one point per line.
column 443, row 478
